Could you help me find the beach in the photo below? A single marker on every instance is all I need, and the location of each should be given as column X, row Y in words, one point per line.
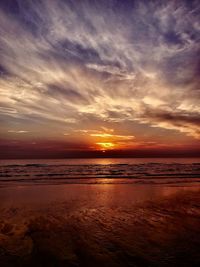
column 100, row 225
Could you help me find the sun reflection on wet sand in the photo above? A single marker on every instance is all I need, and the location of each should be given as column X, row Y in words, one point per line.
column 99, row 225
column 87, row 195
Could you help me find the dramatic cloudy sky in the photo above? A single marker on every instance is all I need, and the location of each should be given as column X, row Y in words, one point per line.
column 79, row 75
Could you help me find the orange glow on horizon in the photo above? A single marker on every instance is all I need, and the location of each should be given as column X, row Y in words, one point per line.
column 106, row 145
column 104, row 135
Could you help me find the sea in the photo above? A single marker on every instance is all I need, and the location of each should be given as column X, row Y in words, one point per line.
column 167, row 171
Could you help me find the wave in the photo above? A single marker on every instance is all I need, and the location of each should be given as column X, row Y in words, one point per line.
column 99, row 173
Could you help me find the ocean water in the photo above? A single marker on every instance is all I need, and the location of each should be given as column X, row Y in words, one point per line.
column 101, row 171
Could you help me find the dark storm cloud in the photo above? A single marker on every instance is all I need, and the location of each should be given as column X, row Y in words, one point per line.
column 63, row 61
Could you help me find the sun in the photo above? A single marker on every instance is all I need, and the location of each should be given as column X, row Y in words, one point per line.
column 105, row 146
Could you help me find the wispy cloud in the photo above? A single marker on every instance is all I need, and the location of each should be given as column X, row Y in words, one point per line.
column 68, row 64
column 19, row 131
column 113, row 136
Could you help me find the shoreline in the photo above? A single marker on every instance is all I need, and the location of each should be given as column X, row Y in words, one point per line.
column 99, row 225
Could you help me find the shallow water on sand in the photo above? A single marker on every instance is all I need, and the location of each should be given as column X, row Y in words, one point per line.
column 92, row 196
column 100, row 225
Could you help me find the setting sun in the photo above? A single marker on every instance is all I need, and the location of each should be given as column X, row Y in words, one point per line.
column 106, row 145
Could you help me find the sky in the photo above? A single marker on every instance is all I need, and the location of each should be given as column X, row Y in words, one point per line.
column 99, row 78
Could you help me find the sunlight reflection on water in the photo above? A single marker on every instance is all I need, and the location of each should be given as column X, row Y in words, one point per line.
column 87, row 195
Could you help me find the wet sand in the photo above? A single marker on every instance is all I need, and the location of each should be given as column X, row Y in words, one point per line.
column 100, row 225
